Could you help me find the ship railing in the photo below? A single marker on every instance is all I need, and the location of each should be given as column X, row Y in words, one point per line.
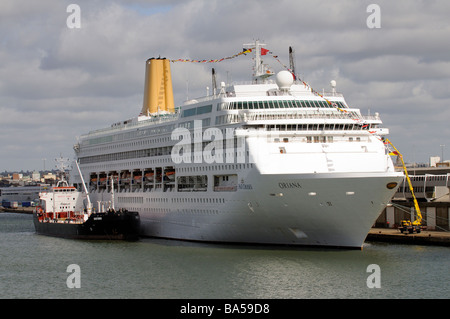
column 203, row 99
column 246, row 116
column 301, row 90
column 127, row 125
column 230, row 92
column 332, row 94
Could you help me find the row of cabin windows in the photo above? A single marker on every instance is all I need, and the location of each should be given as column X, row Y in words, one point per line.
column 316, row 127
column 197, row 111
column 167, row 150
column 277, row 104
column 317, row 139
column 328, row 139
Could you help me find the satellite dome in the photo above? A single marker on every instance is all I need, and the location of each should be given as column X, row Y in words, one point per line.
column 284, row 80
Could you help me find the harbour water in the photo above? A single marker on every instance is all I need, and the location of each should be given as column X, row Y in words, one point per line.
column 34, row 266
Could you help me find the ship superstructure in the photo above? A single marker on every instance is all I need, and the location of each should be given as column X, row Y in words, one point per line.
column 269, row 162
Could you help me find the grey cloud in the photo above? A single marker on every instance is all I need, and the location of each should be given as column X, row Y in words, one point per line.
column 74, row 80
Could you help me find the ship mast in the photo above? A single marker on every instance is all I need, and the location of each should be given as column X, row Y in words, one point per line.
column 62, row 164
column 292, row 62
column 261, row 71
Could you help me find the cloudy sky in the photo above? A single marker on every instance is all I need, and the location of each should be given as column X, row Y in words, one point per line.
column 57, row 83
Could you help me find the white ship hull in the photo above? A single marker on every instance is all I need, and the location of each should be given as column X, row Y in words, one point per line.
column 328, row 209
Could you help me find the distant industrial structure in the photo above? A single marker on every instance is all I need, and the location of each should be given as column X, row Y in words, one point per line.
column 431, row 186
column 22, row 189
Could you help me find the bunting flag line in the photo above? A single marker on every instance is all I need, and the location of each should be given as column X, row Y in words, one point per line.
column 245, row 51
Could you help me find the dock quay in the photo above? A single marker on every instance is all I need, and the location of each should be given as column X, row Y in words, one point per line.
column 21, row 210
column 390, row 235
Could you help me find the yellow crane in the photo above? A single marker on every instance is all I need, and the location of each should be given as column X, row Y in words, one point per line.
column 408, row 226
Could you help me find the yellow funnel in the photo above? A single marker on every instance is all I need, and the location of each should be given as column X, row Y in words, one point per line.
column 146, row 105
column 158, row 92
column 170, row 105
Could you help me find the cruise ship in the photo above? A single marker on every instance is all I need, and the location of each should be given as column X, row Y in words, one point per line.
column 268, row 162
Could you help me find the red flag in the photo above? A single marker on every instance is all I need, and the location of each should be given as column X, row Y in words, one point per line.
column 264, row 51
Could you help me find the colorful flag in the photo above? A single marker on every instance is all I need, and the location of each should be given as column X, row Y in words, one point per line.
column 264, row 51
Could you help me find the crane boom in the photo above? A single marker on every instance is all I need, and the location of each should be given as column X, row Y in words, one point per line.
column 418, row 221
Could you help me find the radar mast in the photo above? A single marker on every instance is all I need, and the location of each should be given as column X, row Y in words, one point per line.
column 261, row 70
